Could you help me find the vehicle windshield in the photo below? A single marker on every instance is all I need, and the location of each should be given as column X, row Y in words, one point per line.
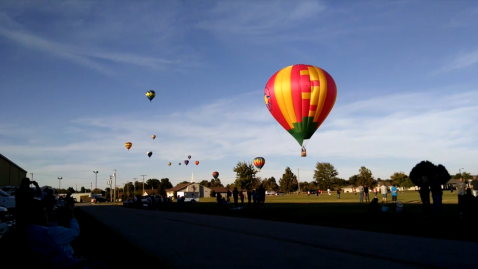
column 3, row 194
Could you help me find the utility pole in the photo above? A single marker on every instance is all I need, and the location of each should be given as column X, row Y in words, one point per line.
column 91, row 186
column 110, row 182
column 31, row 176
column 96, row 179
column 143, row 183
column 114, row 190
column 59, row 182
column 76, row 188
column 298, row 178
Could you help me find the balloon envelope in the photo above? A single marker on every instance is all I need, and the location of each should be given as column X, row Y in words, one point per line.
column 300, row 97
column 189, row 157
column 215, row 174
column 169, row 164
column 186, row 162
column 153, row 137
column 150, row 95
column 197, row 162
column 128, row 145
column 259, row 162
column 149, row 153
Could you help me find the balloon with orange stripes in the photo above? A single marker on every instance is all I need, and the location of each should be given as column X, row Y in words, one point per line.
column 300, row 97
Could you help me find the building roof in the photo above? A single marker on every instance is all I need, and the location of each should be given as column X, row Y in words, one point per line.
column 180, row 186
column 14, row 164
column 219, row 189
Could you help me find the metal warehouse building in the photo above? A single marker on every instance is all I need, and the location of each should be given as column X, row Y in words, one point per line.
column 10, row 173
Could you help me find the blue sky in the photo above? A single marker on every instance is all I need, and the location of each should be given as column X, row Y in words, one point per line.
column 73, row 77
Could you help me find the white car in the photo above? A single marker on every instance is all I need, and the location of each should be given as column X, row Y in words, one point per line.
column 6, row 200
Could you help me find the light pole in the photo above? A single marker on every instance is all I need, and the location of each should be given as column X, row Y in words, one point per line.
column 143, row 183
column 460, row 171
column 96, row 179
column 59, row 182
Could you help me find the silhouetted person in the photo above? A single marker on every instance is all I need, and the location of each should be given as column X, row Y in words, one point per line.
column 219, row 199
column 437, row 194
column 460, row 189
column 241, row 196
column 425, row 195
column 374, row 207
column 366, row 194
column 24, row 200
column 261, row 196
column 249, row 198
column 469, row 204
column 63, row 236
column 49, row 200
column 235, row 195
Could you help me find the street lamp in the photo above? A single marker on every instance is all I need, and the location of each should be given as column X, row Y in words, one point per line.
column 59, row 182
column 96, row 179
column 460, row 171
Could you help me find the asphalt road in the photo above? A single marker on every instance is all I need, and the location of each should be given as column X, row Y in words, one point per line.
column 193, row 240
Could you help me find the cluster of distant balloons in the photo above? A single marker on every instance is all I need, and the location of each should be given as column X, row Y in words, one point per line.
column 299, row 97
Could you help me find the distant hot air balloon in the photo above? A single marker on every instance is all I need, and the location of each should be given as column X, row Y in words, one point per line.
column 300, row 97
column 149, row 153
column 259, row 162
column 197, row 162
column 215, row 174
column 169, row 164
column 150, row 95
column 179, row 163
column 186, row 162
column 153, row 137
column 189, row 157
column 128, row 145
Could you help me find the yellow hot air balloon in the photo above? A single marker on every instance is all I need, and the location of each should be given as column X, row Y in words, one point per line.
column 169, row 164
column 128, row 145
column 153, row 137
column 300, row 97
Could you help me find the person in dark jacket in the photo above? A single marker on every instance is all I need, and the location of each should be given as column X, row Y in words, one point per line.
column 235, row 195
column 425, row 195
column 24, row 200
column 437, row 194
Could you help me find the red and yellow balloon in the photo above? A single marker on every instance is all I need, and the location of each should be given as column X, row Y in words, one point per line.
column 300, row 97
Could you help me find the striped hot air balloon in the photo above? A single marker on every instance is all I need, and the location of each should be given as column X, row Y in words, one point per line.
column 300, row 97
column 259, row 162
column 128, row 145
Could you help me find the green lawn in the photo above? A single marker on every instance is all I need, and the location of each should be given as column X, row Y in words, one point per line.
column 348, row 213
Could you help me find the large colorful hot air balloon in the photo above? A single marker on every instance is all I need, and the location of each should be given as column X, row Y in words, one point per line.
column 197, row 162
column 300, row 97
column 259, row 162
column 169, row 164
column 153, row 137
column 150, row 95
column 189, row 157
column 128, row 145
column 149, row 153
column 186, row 162
column 215, row 174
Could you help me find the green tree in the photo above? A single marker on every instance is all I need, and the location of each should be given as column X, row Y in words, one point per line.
column 165, row 184
column 245, row 176
column 400, row 179
column 304, row 186
column 205, row 183
column 82, row 190
column 97, row 191
column 153, row 183
column 182, row 182
column 288, row 182
column 215, row 183
column 429, row 170
column 70, row 190
column 365, row 177
column 325, row 175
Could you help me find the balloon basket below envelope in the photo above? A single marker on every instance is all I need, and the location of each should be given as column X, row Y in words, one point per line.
column 303, row 153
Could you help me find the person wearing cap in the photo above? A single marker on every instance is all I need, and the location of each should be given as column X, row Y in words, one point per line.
column 474, row 185
column 399, row 208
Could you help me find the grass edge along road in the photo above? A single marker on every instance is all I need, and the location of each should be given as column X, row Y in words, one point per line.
column 348, row 213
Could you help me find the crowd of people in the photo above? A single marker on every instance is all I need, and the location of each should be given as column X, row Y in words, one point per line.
column 47, row 227
column 255, row 198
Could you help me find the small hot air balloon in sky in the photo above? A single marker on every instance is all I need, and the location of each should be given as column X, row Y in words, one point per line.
column 153, row 137
column 259, row 162
column 169, row 164
column 189, row 157
column 300, row 97
column 150, row 95
column 215, row 174
column 186, row 162
column 197, row 162
column 179, row 163
column 149, row 153
column 128, row 145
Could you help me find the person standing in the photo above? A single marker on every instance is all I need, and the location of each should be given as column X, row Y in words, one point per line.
column 425, row 195
column 460, row 189
column 328, row 191
column 338, row 193
column 437, row 194
column 375, row 191
column 384, row 190
column 241, row 196
column 394, row 192
column 365, row 191
column 235, row 194
column 308, row 193
column 249, row 198
column 474, row 185
column 360, row 189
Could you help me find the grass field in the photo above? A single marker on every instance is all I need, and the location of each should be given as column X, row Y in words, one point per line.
column 348, row 213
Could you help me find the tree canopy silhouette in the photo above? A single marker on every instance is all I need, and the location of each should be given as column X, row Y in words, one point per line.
column 429, row 170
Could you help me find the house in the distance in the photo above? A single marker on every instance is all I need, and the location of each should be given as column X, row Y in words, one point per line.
column 189, row 187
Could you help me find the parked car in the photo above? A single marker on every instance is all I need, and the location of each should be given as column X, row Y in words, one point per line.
column 6, row 200
column 280, row 193
column 312, row 191
column 128, row 202
column 9, row 189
